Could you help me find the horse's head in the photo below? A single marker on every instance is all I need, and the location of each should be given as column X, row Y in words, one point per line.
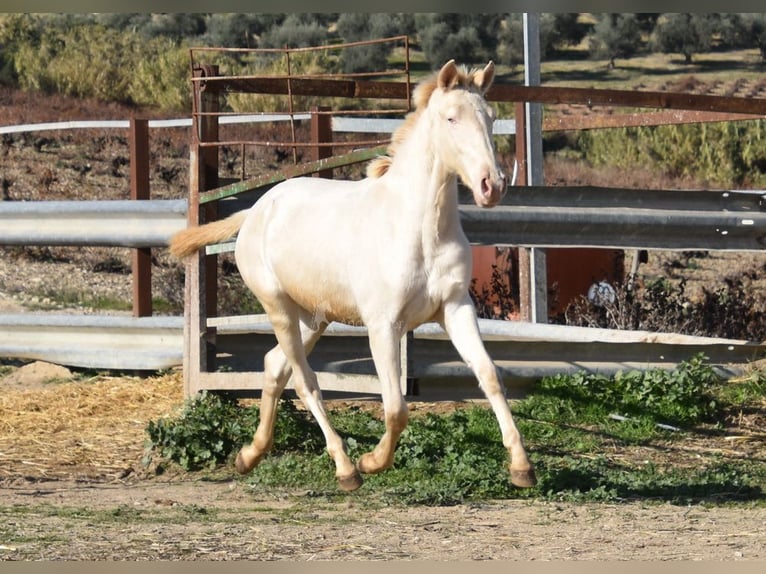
column 462, row 127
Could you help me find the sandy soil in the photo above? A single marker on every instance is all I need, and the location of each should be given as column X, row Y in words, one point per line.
column 187, row 519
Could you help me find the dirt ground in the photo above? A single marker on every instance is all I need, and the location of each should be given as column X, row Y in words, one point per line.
column 187, row 520
column 73, row 487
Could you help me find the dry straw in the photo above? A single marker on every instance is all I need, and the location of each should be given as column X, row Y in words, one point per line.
column 84, row 429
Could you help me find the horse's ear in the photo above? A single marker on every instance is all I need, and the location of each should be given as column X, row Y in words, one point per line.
column 483, row 78
column 448, row 75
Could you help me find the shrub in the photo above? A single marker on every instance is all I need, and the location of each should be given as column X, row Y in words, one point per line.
column 160, row 77
column 82, row 61
column 684, row 150
column 212, row 426
column 734, row 310
column 683, row 396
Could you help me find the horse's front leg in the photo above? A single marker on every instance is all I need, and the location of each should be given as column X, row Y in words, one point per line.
column 460, row 322
column 384, row 344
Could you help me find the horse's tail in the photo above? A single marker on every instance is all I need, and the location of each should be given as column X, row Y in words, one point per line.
column 187, row 241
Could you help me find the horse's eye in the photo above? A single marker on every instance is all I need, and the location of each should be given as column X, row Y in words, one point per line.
column 452, row 120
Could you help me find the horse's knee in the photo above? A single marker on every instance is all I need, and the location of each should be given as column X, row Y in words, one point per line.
column 489, row 379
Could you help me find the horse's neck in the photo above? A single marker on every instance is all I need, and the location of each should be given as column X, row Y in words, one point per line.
column 427, row 194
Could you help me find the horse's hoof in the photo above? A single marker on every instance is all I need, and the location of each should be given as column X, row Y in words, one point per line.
column 523, row 478
column 351, row 482
column 246, row 461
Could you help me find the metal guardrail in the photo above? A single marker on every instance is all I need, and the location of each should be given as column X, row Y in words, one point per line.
column 94, row 341
column 519, row 349
column 120, row 223
column 549, row 217
column 622, row 219
column 586, row 216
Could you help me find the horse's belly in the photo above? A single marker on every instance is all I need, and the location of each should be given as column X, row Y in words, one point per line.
column 324, row 307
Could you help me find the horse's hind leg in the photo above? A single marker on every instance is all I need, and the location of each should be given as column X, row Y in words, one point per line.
column 276, row 373
column 284, row 319
column 460, row 323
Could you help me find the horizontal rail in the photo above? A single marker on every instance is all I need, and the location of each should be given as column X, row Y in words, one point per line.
column 622, row 219
column 498, row 92
column 94, row 341
column 125, row 124
column 518, row 348
column 119, row 223
column 388, row 125
column 529, row 216
column 614, row 228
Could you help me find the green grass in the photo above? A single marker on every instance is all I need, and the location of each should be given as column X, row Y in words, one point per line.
column 52, row 299
column 580, row 452
column 650, row 71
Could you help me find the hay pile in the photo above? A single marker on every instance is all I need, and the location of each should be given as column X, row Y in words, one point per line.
column 86, row 429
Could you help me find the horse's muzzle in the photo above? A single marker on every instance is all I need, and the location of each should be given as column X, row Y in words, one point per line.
column 492, row 190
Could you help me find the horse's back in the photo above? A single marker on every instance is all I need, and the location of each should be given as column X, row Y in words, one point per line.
column 298, row 236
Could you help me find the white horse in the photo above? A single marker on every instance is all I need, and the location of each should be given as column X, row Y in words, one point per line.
column 387, row 251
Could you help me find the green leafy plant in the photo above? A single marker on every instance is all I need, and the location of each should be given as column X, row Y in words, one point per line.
column 681, row 396
column 211, row 427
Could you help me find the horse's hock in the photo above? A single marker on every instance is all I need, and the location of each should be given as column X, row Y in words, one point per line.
column 226, row 353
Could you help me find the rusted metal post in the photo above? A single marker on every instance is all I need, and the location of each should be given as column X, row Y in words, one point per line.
column 139, row 190
column 321, row 133
column 200, row 297
column 525, row 296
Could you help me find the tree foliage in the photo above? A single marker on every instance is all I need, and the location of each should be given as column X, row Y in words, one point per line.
column 685, row 34
column 297, row 31
column 615, row 36
column 467, row 38
column 57, row 52
column 355, row 27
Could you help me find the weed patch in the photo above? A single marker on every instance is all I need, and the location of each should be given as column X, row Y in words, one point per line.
column 580, row 451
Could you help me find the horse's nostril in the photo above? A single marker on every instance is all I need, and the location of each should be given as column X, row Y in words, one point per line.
column 486, row 187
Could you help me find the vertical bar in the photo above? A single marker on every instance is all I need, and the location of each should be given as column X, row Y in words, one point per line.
column 525, row 297
column 534, row 149
column 201, row 270
column 406, row 385
column 139, row 190
column 290, row 102
column 321, row 132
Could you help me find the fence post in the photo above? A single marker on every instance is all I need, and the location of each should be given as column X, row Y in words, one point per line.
column 200, row 294
column 139, row 190
column 321, row 132
column 538, row 273
column 525, row 295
